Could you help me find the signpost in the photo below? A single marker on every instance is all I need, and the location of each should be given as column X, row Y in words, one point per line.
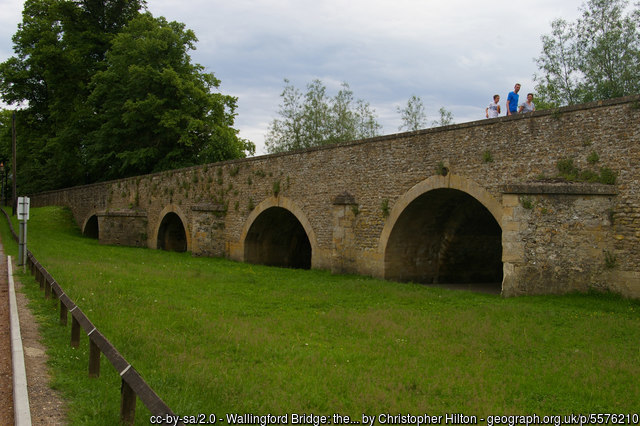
column 23, row 217
column 13, row 163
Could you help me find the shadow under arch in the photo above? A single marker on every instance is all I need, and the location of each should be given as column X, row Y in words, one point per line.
column 444, row 230
column 171, row 230
column 91, row 228
column 277, row 233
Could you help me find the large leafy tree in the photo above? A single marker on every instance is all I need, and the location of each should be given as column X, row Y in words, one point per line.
column 154, row 109
column 315, row 118
column 559, row 65
column 65, row 53
column 58, row 47
column 596, row 57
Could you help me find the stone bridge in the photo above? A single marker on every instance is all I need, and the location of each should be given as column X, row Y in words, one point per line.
column 478, row 202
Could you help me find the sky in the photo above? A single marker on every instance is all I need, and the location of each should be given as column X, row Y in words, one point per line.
column 455, row 54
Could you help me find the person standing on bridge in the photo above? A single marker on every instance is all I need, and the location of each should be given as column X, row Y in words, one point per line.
column 512, row 100
column 493, row 110
column 528, row 105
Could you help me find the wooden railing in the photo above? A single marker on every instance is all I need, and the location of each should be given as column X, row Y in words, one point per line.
column 133, row 385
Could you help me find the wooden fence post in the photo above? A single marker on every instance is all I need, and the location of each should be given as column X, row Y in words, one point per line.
column 127, row 404
column 94, row 358
column 40, row 278
column 63, row 313
column 75, row 332
column 97, row 344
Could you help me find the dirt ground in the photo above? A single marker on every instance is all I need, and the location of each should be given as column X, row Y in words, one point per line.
column 47, row 407
column 6, row 387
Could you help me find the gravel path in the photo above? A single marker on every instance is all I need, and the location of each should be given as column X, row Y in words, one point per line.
column 47, row 407
column 6, row 387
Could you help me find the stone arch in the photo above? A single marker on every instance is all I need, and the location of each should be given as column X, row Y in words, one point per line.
column 91, row 227
column 278, row 233
column 446, row 229
column 172, row 231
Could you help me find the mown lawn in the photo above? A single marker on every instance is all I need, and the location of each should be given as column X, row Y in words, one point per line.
column 215, row 336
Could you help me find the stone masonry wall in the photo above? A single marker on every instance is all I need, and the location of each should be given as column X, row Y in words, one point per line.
column 555, row 239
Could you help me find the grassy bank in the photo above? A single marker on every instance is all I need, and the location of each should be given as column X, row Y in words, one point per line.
column 214, row 336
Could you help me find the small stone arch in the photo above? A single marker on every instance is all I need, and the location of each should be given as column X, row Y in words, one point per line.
column 278, row 233
column 91, row 227
column 437, row 226
column 172, row 230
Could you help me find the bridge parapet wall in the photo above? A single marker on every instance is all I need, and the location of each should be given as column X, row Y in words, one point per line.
column 555, row 238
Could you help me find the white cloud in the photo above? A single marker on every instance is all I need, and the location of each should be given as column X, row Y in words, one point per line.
column 455, row 54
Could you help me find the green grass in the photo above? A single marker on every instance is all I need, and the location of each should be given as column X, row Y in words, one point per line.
column 214, row 336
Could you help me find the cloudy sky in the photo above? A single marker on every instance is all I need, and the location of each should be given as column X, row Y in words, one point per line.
column 454, row 53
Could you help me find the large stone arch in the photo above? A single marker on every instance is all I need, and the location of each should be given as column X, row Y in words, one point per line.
column 446, row 229
column 167, row 234
column 91, row 226
column 286, row 244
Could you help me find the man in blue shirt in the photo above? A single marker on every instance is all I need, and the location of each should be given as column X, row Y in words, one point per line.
column 512, row 100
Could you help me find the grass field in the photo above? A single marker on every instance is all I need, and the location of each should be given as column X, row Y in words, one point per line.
column 215, row 336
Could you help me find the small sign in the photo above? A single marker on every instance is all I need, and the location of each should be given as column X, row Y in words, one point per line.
column 23, row 208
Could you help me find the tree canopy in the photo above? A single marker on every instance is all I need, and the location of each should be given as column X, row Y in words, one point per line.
column 315, row 119
column 595, row 57
column 155, row 110
column 414, row 116
column 106, row 90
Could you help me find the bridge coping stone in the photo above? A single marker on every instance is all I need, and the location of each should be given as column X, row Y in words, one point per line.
column 122, row 213
column 569, row 188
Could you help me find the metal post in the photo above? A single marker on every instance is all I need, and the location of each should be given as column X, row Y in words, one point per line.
column 2, row 181
column 6, row 187
column 21, row 243
column 14, row 198
column 23, row 217
column 24, row 249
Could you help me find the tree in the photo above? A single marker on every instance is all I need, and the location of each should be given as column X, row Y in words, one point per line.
column 5, row 134
column 559, row 63
column 80, row 119
column 315, row 118
column 413, row 115
column 596, row 57
column 153, row 109
column 316, row 115
column 366, row 123
column 446, row 118
column 342, row 118
column 612, row 66
column 285, row 133
column 59, row 45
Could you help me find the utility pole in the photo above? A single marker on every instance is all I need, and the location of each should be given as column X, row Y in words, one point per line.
column 14, row 199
